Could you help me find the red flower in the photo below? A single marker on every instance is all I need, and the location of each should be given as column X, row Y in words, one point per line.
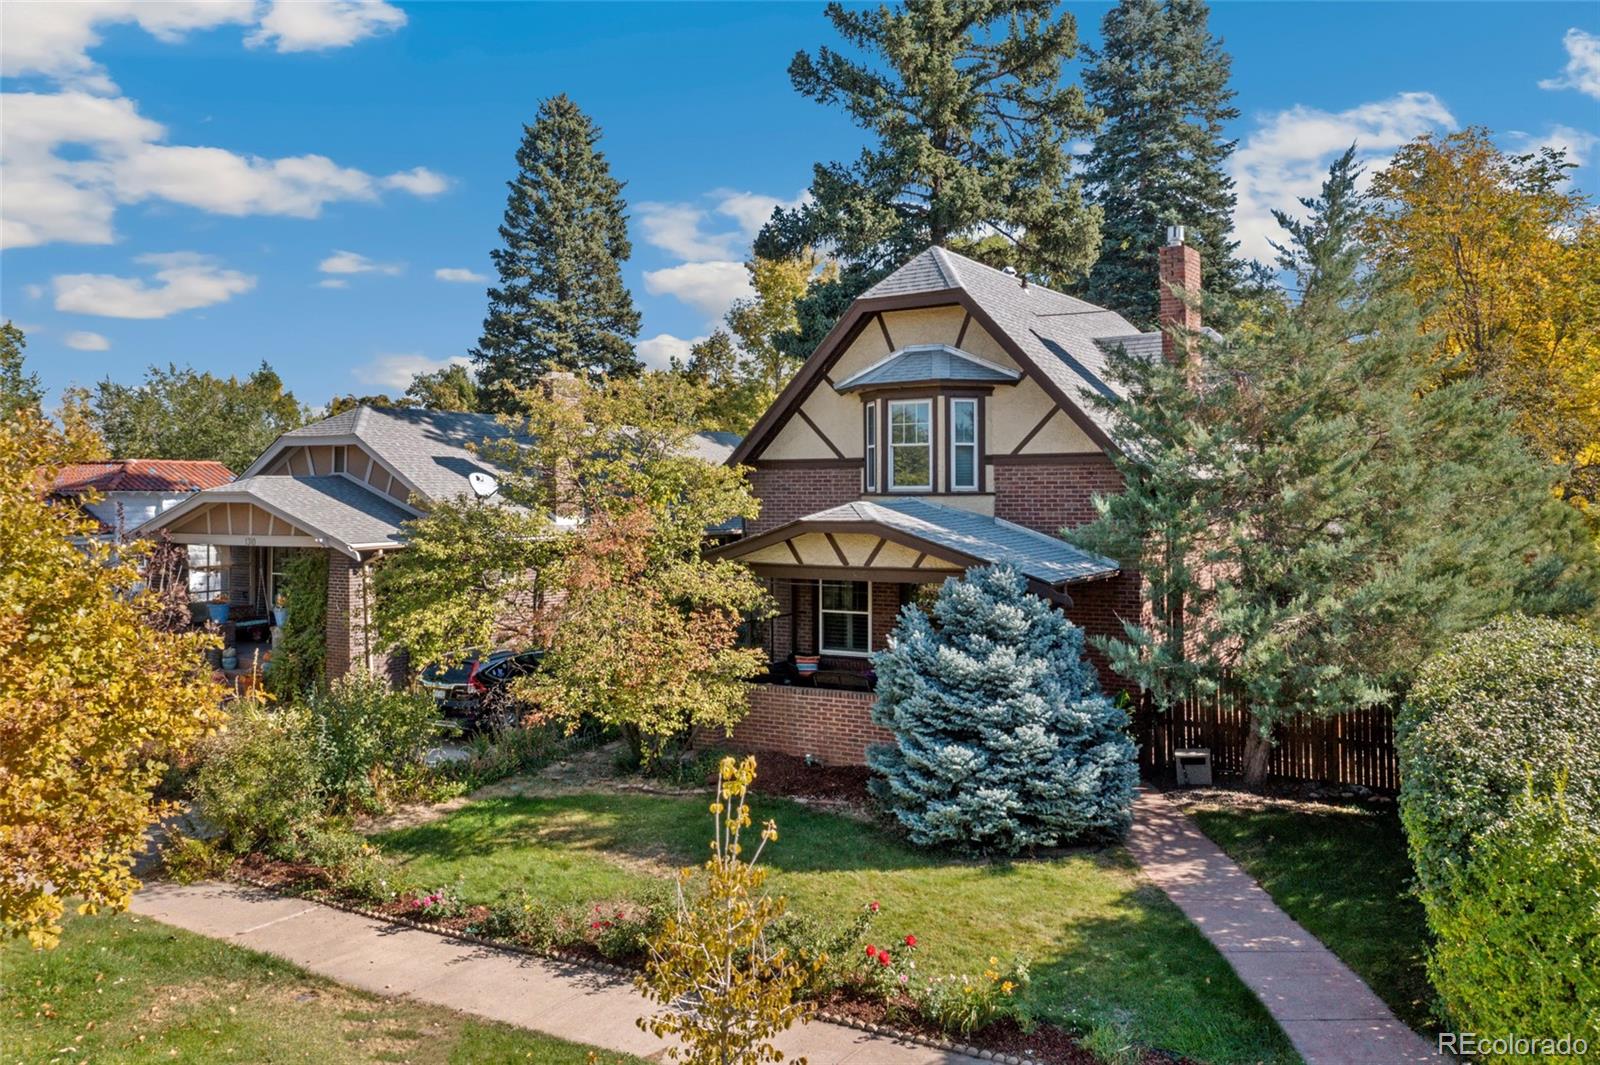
column 873, row 905
column 872, row 951
column 594, row 925
column 883, row 957
column 911, row 941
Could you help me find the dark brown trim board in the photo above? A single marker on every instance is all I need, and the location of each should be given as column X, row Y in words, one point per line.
column 805, row 464
column 1048, row 458
column 887, row 339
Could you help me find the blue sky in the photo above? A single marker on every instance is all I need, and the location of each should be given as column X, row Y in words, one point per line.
column 319, row 185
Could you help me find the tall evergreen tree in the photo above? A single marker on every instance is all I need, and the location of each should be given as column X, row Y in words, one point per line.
column 561, row 303
column 971, row 122
column 1313, row 520
column 1161, row 81
column 19, row 389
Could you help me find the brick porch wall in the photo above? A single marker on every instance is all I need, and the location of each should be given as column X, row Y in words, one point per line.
column 350, row 597
column 788, row 493
column 835, row 726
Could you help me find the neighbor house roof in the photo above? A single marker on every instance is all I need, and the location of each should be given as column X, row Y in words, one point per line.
column 924, row 363
column 347, row 514
column 140, row 475
column 958, row 535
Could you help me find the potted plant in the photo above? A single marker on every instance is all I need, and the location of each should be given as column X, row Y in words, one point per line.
column 218, row 608
column 805, row 665
column 280, row 610
column 230, row 658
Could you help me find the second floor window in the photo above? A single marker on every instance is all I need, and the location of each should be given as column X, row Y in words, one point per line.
column 963, row 445
column 872, row 446
column 911, row 445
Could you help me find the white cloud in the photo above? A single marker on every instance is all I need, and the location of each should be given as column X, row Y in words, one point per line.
column 1577, row 143
column 458, row 274
column 419, row 181
column 333, row 282
column 186, row 281
column 1582, row 71
column 690, row 231
column 349, row 262
column 751, row 210
column 86, row 341
column 396, row 371
column 1287, row 156
column 709, row 287
column 299, row 26
column 72, row 196
column 33, row 292
column 658, row 352
column 53, row 39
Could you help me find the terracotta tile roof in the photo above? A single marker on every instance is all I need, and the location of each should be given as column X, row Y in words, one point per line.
column 141, row 475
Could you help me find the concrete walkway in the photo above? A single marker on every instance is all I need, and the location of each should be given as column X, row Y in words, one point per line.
column 1329, row 1014
column 568, row 1001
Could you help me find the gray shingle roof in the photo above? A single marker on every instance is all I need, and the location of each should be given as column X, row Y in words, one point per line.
column 1061, row 334
column 928, row 362
column 1139, row 345
column 330, row 505
column 1047, row 559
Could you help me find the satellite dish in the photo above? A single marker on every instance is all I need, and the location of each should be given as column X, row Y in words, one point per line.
column 483, row 486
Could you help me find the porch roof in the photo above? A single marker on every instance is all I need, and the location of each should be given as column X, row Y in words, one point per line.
column 944, row 532
column 349, row 516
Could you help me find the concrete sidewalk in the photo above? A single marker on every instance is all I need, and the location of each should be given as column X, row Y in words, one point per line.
column 568, row 1001
column 1329, row 1014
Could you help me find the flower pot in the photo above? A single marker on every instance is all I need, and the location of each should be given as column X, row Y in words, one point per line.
column 807, row 663
column 218, row 612
column 280, row 614
column 230, row 661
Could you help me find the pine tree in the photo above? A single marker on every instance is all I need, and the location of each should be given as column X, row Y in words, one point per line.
column 1003, row 741
column 561, row 303
column 1311, row 520
column 971, row 122
column 1161, row 81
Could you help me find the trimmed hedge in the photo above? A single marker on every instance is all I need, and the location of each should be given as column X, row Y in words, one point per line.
column 1518, row 950
column 1511, row 707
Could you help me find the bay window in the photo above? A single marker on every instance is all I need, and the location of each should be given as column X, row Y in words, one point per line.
column 910, row 445
column 963, row 445
column 844, row 617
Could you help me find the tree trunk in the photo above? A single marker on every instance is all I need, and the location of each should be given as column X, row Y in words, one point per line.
column 1257, row 751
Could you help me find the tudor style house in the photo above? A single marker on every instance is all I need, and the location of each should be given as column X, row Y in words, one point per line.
column 942, row 424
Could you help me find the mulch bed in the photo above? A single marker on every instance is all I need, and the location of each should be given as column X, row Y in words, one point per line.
column 790, row 776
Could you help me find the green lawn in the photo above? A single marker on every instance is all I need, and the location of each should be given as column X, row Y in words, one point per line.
column 126, row 989
column 1345, row 876
column 1106, row 948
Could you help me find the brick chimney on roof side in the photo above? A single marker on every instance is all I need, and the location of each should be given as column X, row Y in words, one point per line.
column 1180, row 273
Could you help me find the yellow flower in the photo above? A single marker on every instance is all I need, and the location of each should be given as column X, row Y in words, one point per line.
column 716, row 807
column 967, row 989
column 993, row 961
column 1007, row 987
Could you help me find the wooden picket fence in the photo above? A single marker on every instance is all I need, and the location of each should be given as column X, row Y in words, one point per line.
column 1355, row 748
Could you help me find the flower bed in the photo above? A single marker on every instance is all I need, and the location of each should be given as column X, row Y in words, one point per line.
column 880, row 990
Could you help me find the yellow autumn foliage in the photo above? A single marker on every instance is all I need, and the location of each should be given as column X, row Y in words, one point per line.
column 92, row 700
column 1505, row 254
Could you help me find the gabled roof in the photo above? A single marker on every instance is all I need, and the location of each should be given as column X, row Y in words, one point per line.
column 1055, row 336
column 427, row 448
column 925, row 363
column 140, row 475
column 960, row 536
column 348, row 515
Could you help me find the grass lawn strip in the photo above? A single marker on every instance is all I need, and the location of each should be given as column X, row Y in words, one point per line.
column 1109, row 951
column 127, row 989
column 1344, row 874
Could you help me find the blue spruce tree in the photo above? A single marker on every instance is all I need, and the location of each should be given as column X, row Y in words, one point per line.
column 1003, row 740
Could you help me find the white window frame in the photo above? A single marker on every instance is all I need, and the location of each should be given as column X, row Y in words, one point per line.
column 215, row 569
column 865, row 615
column 894, row 482
column 956, row 445
column 277, row 557
column 870, row 482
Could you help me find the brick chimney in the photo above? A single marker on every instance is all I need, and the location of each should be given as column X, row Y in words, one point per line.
column 1180, row 273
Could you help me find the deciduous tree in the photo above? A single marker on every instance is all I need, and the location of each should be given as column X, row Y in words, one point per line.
column 19, row 389
column 92, row 699
column 451, row 388
column 560, row 303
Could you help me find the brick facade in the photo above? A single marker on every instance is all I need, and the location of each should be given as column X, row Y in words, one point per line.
column 350, row 643
column 835, row 726
column 787, row 493
column 1055, row 496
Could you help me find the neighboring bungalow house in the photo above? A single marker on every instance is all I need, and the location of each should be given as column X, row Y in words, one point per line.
column 940, row 425
column 129, row 492
column 345, row 485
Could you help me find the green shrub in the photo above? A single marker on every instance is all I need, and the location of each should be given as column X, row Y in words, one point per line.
column 298, row 662
column 187, row 860
column 1518, row 949
column 623, row 931
column 1513, row 704
column 524, row 918
column 355, row 867
column 504, row 751
column 827, row 953
column 963, row 1004
column 258, row 782
column 368, row 739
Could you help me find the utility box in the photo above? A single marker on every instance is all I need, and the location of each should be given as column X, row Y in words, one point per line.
column 1193, row 765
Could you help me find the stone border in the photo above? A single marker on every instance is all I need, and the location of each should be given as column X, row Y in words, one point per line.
column 613, row 969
